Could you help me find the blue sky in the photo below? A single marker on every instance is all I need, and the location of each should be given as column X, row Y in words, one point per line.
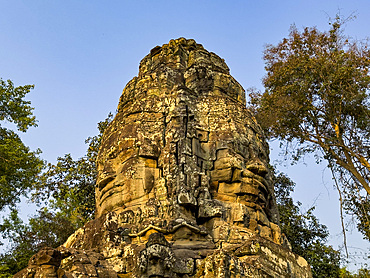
column 80, row 55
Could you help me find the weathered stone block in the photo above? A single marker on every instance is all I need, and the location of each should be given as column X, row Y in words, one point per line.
column 46, row 256
column 229, row 188
column 222, row 175
column 210, row 208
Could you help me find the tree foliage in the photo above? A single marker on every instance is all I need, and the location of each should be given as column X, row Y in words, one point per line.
column 13, row 107
column 69, row 185
column 304, row 232
column 67, row 191
column 44, row 229
column 358, row 206
column 316, row 98
column 19, row 166
column 361, row 273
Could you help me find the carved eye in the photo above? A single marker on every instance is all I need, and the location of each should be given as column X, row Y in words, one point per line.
column 258, row 169
column 102, row 183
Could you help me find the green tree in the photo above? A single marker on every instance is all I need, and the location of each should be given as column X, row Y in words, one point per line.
column 304, row 232
column 361, row 273
column 69, row 185
column 44, row 229
column 68, row 191
column 19, row 167
column 316, row 98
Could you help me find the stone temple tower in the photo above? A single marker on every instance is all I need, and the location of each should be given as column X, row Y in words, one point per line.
column 184, row 188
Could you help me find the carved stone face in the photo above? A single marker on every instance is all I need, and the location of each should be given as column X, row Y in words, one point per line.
column 128, row 170
column 183, row 186
column 184, row 147
column 239, row 175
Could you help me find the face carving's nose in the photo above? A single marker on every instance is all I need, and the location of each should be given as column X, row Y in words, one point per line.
column 258, row 168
